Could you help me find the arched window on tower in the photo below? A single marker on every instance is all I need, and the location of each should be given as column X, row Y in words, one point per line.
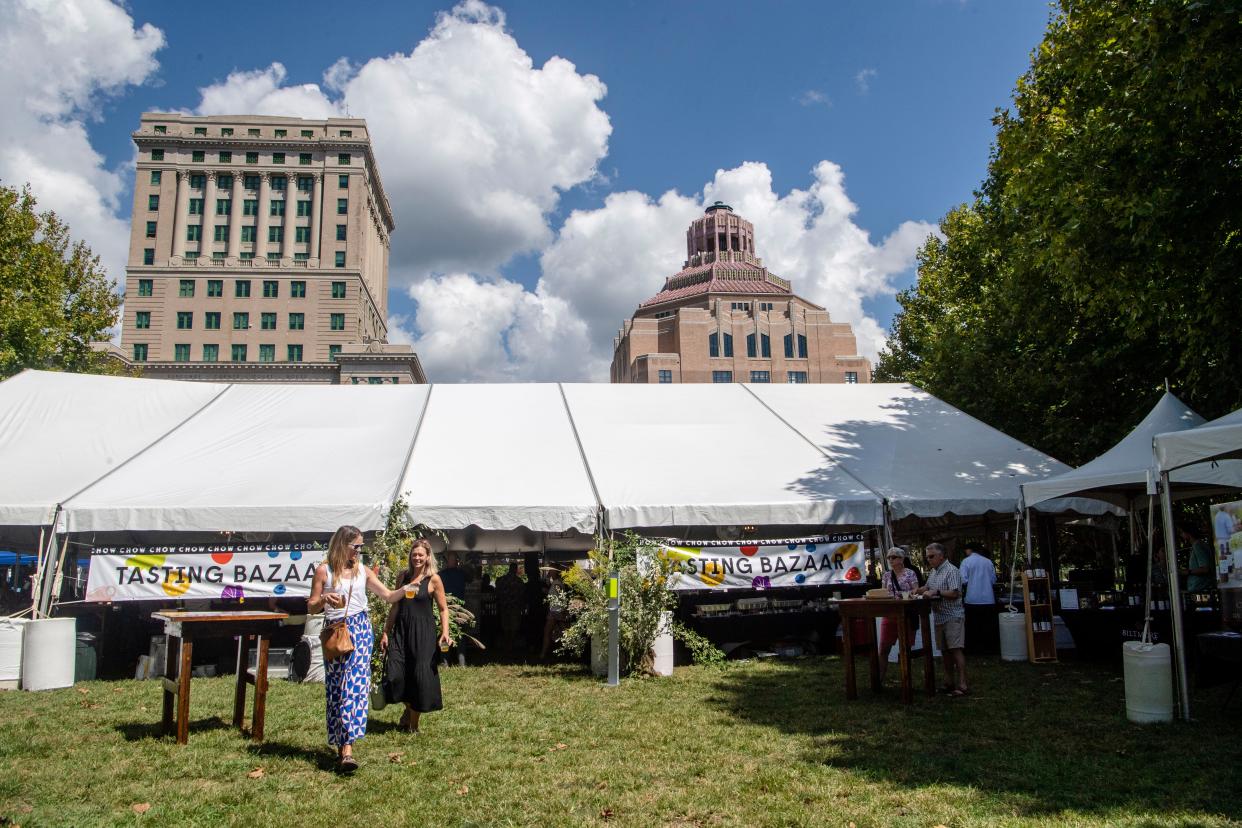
column 713, row 345
column 750, row 346
column 728, row 344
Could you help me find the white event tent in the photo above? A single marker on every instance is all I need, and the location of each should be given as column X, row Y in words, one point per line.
column 1128, row 471
column 1219, row 444
column 90, row 454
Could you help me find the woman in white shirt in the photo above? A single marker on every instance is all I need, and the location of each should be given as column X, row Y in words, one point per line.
column 340, row 590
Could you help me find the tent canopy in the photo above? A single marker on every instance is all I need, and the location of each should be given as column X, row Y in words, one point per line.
column 925, row 457
column 61, row 432
column 703, row 455
column 121, row 454
column 1127, row 469
column 1220, row 439
column 499, row 457
column 264, row 458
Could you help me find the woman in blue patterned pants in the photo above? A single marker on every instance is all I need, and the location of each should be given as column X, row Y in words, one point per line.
column 340, row 590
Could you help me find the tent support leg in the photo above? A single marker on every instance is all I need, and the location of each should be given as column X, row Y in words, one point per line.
column 1175, row 597
column 1027, row 525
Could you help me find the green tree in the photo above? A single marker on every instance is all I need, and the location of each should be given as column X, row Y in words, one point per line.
column 55, row 298
column 1103, row 252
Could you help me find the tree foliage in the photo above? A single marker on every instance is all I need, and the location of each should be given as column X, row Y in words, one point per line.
column 55, row 298
column 1103, row 252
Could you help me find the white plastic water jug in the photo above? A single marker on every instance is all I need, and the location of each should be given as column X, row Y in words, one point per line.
column 1149, row 681
column 1012, row 636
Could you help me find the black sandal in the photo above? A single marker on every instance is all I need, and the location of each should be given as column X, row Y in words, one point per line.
column 347, row 764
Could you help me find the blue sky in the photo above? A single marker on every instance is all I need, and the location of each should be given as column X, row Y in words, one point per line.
column 896, row 97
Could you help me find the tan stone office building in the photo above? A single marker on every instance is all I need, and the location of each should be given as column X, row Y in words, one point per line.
column 725, row 318
column 259, row 252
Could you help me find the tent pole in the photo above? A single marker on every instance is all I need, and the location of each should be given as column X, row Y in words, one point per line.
column 1027, row 526
column 888, row 528
column 1175, row 596
column 1133, row 530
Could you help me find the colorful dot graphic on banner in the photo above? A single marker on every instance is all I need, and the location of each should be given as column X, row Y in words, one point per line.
column 295, row 556
column 748, row 550
column 144, row 561
column 713, row 573
column 175, row 584
column 764, row 582
column 853, row 574
column 232, row 592
column 272, row 553
column 791, row 547
column 800, row 578
column 222, row 557
column 810, row 547
column 279, row 589
column 678, row 553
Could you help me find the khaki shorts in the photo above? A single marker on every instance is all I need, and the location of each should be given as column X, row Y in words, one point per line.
column 951, row 634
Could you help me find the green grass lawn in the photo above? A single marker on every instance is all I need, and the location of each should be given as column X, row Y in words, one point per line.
column 755, row 744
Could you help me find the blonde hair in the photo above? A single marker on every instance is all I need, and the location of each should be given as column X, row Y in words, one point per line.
column 430, row 568
column 338, row 548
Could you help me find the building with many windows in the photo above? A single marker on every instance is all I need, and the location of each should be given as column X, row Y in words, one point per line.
column 259, row 252
column 725, row 318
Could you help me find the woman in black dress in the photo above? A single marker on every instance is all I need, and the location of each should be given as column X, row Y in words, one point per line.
column 411, row 669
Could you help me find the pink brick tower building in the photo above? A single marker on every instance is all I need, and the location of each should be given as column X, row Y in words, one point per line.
column 725, row 318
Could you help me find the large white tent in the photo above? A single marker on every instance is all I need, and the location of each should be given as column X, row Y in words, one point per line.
column 499, row 457
column 264, row 458
column 1127, row 470
column 61, row 432
column 922, row 455
column 164, row 456
column 702, row 455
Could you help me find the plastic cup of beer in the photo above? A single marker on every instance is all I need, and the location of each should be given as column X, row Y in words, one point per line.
column 444, row 646
column 410, row 590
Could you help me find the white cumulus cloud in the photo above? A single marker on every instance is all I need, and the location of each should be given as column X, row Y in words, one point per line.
column 62, row 60
column 474, row 142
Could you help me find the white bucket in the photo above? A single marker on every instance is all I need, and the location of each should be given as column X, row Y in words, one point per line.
column 48, row 646
column 1149, row 681
column 662, row 649
column 599, row 656
column 1012, row 636
column 11, row 652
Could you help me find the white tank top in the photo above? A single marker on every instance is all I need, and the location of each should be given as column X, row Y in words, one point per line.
column 357, row 599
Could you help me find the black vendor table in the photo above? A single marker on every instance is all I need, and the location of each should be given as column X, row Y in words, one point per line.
column 1224, row 646
column 765, row 628
column 903, row 612
column 184, row 628
column 1099, row 632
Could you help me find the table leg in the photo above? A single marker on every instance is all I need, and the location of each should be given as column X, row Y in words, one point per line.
column 260, row 691
column 929, row 660
column 169, row 672
column 183, row 690
column 874, row 660
column 239, row 694
column 903, row 657
column 847, row 650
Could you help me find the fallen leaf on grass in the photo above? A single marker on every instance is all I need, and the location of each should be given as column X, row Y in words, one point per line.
column 560, row 746
column 606, row 813
column 82, row 690
column 395, row 757
column 601, row 786
column 257, row 773
column 463, row 790
column 141, row 807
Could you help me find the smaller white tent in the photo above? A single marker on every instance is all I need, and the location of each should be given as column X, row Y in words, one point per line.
column 499, row 457
column 1219, row 439
column 1127, row 470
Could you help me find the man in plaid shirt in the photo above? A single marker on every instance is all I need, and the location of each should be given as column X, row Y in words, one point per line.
column 944, row 581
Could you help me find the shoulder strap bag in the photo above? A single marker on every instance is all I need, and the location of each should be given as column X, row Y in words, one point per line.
column 335, row 638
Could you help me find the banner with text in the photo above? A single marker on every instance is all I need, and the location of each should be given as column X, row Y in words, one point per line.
column 202, row 572
column 830, row 559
